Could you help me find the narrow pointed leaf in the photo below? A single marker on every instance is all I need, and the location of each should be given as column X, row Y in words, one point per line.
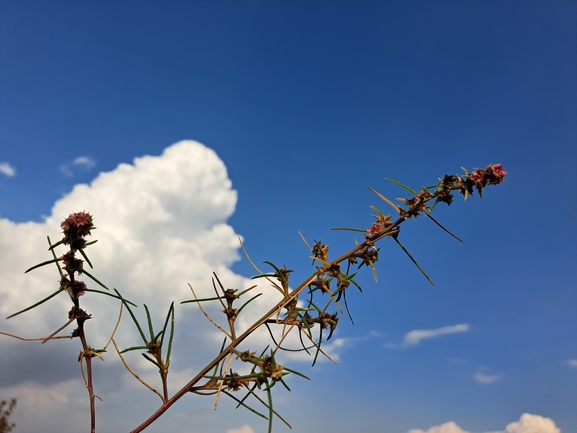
column 318, row 346
column 152, row 360
column 432, row 207
column 125, row 302
column 35, row 305
column 167, row 317
column 297, row 373
column 440, row 225
column 284, row 384
column 55, row 245
column 170, row 338
column 86, row 258
column 199, row 300
column 385, row 199
column 274, row 411
column 47, row 262
column 401, row 185
column 149, row 319
column 247, row 302
column 241, row 403
column 54, row 256
column 415, row 262
column 219, row 283
column 95, row 279
column 246, row 291
column 129, row 349
column 349, row 229
column 111, row 295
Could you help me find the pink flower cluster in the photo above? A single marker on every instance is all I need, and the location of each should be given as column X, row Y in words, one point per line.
column 74, row 288
column 375, row 229
column 75, row 228
column 79, row 222
column 491, row 175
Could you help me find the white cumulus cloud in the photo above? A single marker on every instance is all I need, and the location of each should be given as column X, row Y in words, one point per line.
column 527, row 424
column 414, row 337
column 7, row 170
column 244, row 429
column 532, row 424
column 448, row 427
column 161, row 224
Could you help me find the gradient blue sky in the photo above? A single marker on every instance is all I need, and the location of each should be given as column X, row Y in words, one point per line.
column 306, row 103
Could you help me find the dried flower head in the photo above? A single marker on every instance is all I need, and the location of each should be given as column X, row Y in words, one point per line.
column 233, row 384
column 75, row 228
column 80, row 222
column 76, row 289
column 71, row 263
column 376, row 228
column 495, row 174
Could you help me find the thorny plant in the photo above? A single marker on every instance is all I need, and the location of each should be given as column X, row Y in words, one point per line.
column 5, row 411
column 309, row 316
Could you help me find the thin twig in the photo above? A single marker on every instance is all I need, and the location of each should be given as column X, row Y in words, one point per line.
column 206, row 315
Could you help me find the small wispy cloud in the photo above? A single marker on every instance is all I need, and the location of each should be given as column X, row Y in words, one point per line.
column 7, row 170
column 486, row 378
column 83, row 163
column 414, row 337
column 572, row 363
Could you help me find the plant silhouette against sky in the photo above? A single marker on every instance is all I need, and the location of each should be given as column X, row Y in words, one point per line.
column 311, row 310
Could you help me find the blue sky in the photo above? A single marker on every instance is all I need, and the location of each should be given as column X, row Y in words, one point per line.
column 304, row 104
